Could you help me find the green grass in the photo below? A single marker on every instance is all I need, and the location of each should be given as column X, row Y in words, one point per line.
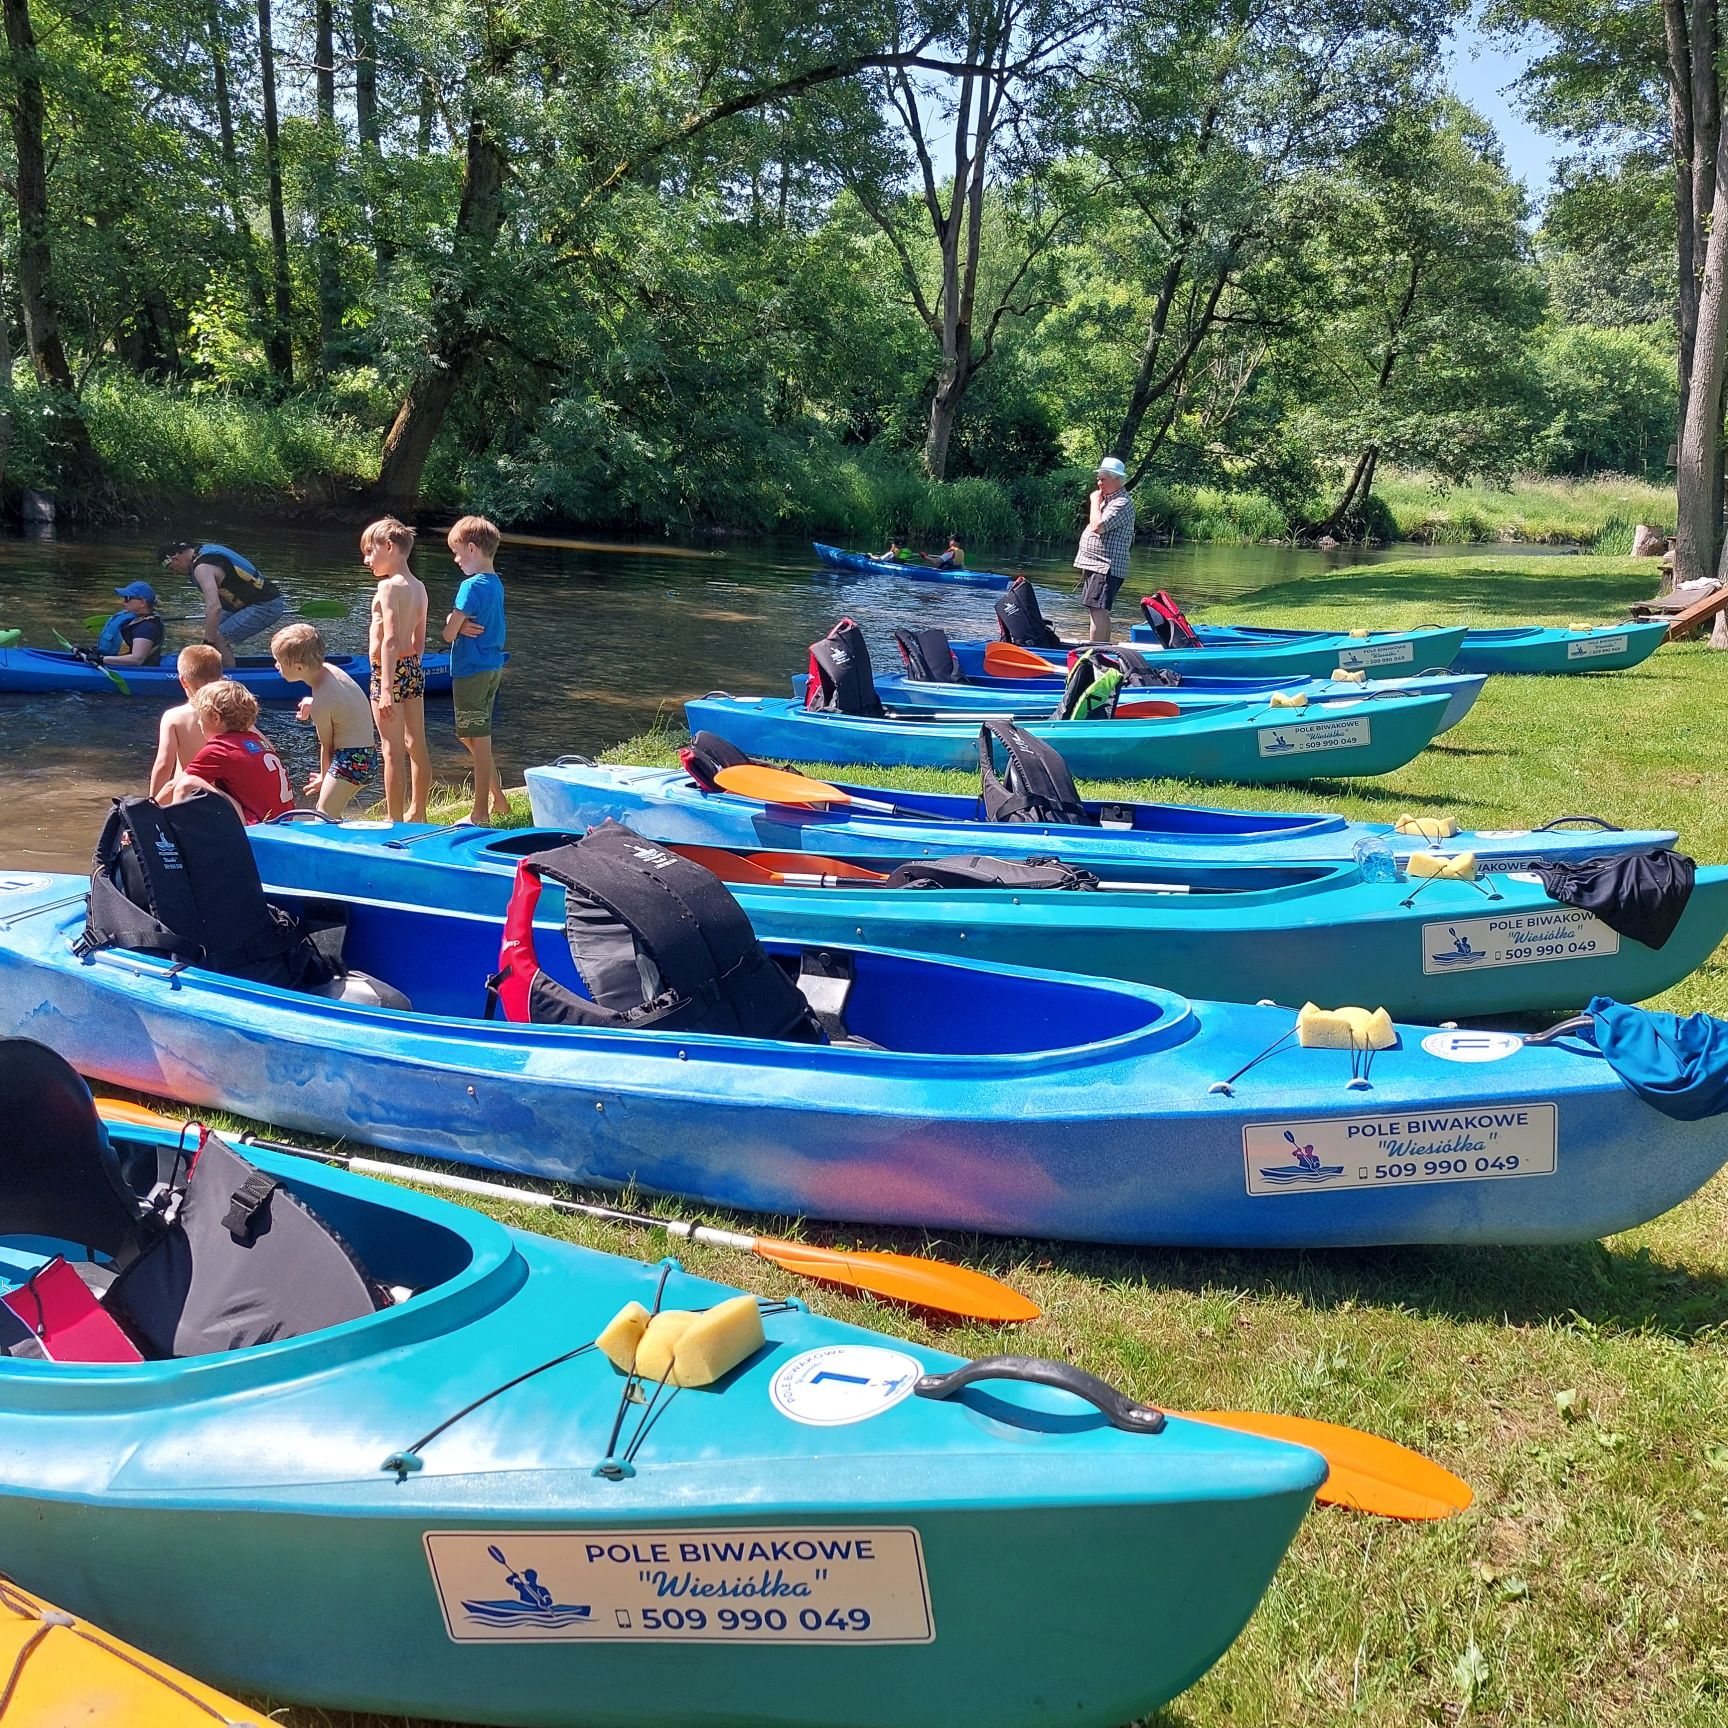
column 1599, row 513
column 1582, row 1390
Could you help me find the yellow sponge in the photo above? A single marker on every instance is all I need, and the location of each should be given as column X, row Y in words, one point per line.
column 716, row 1341
column 1361, row 632
column 1428, row 827
column 618, row 1343
column 1343, row 1028
column 1283, row 699
column 659, row 1346
column 1460, row 867
column 1349, row 675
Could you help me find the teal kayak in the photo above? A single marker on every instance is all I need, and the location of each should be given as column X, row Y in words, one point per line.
column 449, row 1506
column 861, row 564
column 1243, row 933
column 1250, row 743
column 1543, row 648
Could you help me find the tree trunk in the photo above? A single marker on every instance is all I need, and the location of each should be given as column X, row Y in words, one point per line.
column 67, row 432
column 1699, row 457
column 324, row 184
column 455, row 342
column 5, row 369
column 279, row 343
column 366, row 128
column 945, row 410
column 231, row 170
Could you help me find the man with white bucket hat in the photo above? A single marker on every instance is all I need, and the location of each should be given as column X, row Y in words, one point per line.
column 1103, row 554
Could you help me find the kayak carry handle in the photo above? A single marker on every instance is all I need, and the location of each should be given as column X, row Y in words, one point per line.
column 573, row 761
column 284, row 818
column 1582, row 821
column 1117, row 1408
column 1577, row 1023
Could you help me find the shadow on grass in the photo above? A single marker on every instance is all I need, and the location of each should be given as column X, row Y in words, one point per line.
column 1510, row 588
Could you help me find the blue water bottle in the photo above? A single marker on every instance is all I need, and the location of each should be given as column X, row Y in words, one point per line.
column 1375, row 859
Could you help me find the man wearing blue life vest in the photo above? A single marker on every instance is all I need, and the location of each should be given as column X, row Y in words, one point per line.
column 133, row 636
column 240, row 601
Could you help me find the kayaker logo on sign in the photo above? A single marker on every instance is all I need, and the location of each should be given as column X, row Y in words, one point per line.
column 1478, row 1144
column 840, row 1585
column 1377, row 654
column 1593, row 647
column 1312, row 735
column 1518, row 939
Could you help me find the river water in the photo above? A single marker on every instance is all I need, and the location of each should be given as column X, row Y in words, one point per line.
column 600, row 641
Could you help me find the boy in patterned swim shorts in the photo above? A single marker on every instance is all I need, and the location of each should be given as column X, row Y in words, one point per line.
column 338, row 709
column 395, row 643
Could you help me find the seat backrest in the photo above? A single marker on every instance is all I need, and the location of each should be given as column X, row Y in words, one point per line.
column 706, row 754
column 1036, row 786
column 59, row 1176
column 841, row 679
column 1022, row 619
column 929, row 656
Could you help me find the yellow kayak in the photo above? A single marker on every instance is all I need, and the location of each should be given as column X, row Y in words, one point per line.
column 57, row 1671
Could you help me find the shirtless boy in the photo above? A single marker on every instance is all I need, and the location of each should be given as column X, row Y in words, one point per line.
column 181, row 735
column 337, row 709
column 395, row 643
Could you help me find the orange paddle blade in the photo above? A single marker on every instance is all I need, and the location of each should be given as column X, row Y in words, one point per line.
column 777, row 786
column 924, row 1283
column 764, row 868
column 1010, row 660
column 123, row 1110
column 728, row 866
column 1368, row 1473
column 815, row 864
column 1130, row 709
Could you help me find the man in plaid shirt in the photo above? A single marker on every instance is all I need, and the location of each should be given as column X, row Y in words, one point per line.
column 1103, row 554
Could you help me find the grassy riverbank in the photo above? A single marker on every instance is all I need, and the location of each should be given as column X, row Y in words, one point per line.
column 165, row 448
column 1583, row 1391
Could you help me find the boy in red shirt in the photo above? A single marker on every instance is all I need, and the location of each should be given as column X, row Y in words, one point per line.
column 235, row 760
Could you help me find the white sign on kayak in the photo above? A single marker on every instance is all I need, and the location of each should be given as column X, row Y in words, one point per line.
column 843, row 1383
column 1377, row 654
column 1472, row 1046
column 1312, row 735
column 1477, row 1144
column 1593, row 647
column 1517, row 939
column 794, row 1585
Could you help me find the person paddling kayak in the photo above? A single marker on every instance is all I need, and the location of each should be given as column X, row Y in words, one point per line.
column 133, row 636
column 240, row 601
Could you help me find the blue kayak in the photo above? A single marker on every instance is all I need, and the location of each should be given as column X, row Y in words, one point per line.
column 835, row 558
column 1249, row 933
column 38, row 670
column 979, row 1098
column 449, row 1508
column 1037, row 698
column 1271, row 654
column 665, row 804
column 1539, row 648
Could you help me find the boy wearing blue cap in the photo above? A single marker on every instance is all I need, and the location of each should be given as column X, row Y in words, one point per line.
column 133, row 636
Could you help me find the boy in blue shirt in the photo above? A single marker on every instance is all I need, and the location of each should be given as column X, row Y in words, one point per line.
column 475, row 632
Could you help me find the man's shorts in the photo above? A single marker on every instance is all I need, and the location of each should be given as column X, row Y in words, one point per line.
column 407, row 685
column 1098, row 590
column 250, row 621
column 475, row 696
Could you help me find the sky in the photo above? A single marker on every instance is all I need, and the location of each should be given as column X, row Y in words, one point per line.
column 1482, row 73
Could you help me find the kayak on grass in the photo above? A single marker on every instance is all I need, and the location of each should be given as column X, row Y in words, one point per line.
column 855, row 1083
column 871, row 822
column 48, row 669
column 1252, row 933
column 1249, row 743
column 1540, row 648
column 835, row 558
column 1036, row 698
column 391, row 1472
column 65, row 1670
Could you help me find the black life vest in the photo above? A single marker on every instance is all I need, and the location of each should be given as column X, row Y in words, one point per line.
column 240, row 1261
column 1021, row 619
column 180, row 880
column 928, row 656
column 975, row 871
column 841, row 681
column 1092, row 689
column 1037, row 786
column 1168, row 624
column 706, row 754
column 240, row 583
column 1138, row 671
column 657, row 940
